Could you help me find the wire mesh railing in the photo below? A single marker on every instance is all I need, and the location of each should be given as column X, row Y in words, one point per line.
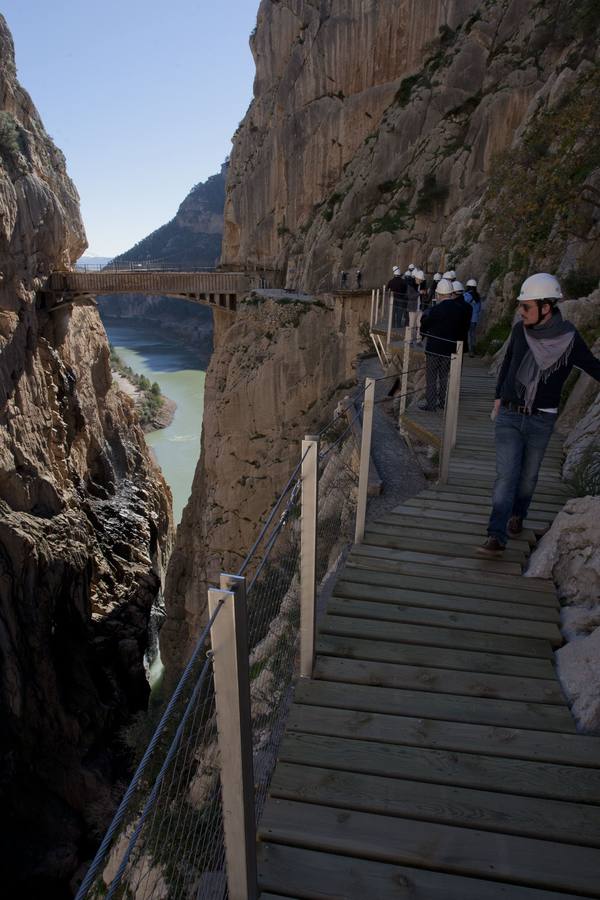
column 187, row 824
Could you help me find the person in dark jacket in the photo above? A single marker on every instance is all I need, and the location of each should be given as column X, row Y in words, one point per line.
column 542, row 350
column 398, row 287
column 472, row 296
column 443, row 325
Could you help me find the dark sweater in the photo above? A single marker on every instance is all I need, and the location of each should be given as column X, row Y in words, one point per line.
column 446, row 323
column 548, row 392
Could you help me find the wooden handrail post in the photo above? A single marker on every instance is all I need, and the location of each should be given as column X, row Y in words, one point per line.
column 451, row 415
column 308, row 553
column 229, row 640
column 365, row 459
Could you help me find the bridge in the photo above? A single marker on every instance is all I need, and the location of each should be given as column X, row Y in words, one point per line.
column 219, row 289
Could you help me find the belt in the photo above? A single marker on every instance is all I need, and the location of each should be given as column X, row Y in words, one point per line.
column 514, row 407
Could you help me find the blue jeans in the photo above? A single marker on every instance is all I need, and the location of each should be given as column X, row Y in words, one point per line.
column 521, row 442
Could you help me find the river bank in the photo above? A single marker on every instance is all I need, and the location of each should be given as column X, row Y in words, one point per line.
column 154, row 409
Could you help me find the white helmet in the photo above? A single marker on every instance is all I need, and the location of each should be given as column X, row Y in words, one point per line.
column 458, row 287
column 452, row 274
column 540, row 287
column 437, row 276
column 444, row 287
column 396, row 270
column 449, row 275
column 411, row 267
column 408, row 273
column 471, row 283
column 419, row 275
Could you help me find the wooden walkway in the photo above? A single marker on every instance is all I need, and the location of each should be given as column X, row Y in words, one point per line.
column 433, row 755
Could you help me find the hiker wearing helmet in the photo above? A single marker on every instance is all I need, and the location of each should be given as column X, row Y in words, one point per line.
column 542, row 350
column 399, row 290
column 442, row 325
column 472, row 297
column 431, row 292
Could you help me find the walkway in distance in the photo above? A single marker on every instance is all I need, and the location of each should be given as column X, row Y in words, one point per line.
column 433, row 754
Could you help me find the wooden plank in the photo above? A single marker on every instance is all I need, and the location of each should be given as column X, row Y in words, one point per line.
column 439, row 530
column 434, row 636
column 509, row 582
column 441, row 707
column 313, row 874
column 544, row 864
column 442, row 657
column 389, row 612
column 531, row 590
column 574, row 823
column 437, row 560
column 430, row 600
column 500, row 774
column 460, row 528
column 443, row 681
column 435, row 511
column 456, row 496
column 440, row 545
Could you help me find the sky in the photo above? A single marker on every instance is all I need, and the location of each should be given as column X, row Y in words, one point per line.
column 141, row 96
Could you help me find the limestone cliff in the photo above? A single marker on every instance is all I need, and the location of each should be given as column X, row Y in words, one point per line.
column 459, row 132
column 276, row 373
column 84, row 527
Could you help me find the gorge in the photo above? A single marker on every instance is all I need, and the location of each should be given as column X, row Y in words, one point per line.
column 380, row 133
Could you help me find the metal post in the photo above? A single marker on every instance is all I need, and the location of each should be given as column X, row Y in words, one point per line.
column 371, row 320
column 376, row 308
column 229, row 640
column 365, row 459
column 390, row 316
column 451, row 416
column 308, row 553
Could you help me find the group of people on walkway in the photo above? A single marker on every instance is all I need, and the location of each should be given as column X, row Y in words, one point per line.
column 344, row 286
column 411, row 293
column 542, row 350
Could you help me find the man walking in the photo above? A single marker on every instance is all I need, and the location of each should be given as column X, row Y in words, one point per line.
column 542, row 350
column 443, row 325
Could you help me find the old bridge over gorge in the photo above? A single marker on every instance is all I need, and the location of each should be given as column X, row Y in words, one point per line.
column 211, row 288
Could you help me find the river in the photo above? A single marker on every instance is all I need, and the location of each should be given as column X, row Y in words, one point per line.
column 179, row 372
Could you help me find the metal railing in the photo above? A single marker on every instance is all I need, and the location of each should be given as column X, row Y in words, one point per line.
column 187, row 824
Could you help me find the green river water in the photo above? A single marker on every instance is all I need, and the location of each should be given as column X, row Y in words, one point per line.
column 179, row 372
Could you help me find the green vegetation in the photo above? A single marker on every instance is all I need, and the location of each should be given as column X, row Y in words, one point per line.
column 151, row 401
column 537, row 198
column 495, row 337
column 395, row 219
column 330, row 205
column 407, row 85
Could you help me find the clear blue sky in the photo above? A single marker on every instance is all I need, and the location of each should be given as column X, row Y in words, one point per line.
column 142, row 96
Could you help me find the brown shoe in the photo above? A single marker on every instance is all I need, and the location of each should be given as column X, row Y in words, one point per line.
column 492, row 547
column 515, row 525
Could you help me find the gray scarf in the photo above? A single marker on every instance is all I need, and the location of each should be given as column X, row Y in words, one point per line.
column 549, row 346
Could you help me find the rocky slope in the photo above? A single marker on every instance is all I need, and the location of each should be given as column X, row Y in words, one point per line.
column 84, row 527
column 193, row 236
column 453, row 133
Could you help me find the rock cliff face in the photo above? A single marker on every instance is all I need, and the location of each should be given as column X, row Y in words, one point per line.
column 450, row 133
column 84, row 526
column 276, row 373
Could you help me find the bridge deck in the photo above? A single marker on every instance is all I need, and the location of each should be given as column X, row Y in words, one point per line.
column 220, row 289
column 433, row 754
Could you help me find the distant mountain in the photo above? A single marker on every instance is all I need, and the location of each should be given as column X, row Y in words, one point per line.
column 193, row 237
column 91, row 260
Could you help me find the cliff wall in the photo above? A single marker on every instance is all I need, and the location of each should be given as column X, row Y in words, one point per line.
column 456, row 133
column 277, row 371
column 84, row 528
